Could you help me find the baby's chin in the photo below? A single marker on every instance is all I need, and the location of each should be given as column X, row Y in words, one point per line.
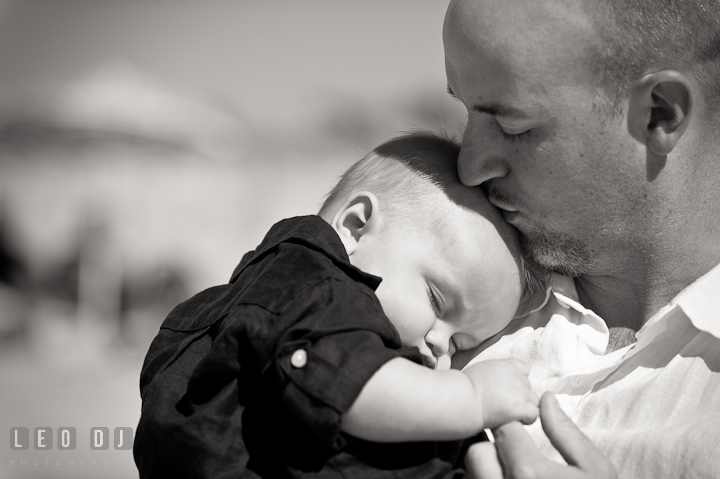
column 443, row 363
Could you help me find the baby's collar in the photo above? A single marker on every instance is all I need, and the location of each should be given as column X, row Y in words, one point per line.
column 315, row 233
column 563, row 289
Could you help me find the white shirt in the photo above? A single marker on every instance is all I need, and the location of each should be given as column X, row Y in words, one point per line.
column 652, row 407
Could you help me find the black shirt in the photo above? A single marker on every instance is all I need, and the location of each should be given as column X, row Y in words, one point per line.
column 250, row 379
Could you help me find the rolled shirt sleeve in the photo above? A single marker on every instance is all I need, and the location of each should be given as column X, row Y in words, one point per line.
column 333, row 338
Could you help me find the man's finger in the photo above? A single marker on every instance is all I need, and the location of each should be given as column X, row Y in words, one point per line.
column 482, row 461
column 515, row 446
column 572, row 444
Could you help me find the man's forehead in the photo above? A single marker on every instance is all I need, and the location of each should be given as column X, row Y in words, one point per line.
column 521, row 28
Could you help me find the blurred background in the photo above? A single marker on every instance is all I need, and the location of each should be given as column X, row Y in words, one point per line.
column 144, row 147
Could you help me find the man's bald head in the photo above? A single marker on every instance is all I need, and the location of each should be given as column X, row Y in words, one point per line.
column 637, row 37
column 522, row 28
column 620, row 40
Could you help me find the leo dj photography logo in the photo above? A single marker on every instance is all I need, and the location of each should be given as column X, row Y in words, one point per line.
column 66, row 439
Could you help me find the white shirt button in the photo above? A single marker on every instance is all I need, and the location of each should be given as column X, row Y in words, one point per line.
column 299, row 358
column 576, row 381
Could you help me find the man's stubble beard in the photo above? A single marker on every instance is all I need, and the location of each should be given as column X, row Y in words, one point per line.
column 550, row 249
column 556, row 251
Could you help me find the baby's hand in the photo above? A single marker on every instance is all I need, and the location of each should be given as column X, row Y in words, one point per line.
column 504, row 390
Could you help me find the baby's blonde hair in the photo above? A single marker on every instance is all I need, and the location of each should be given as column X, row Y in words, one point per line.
column 403, row 171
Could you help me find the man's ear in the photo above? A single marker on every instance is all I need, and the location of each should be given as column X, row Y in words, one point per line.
column 359, row 215
column 660, row 110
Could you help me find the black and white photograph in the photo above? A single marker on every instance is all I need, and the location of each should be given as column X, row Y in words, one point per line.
column 402, row 239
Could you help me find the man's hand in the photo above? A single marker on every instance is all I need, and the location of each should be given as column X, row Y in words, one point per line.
column 505, row 390
column 515, row 455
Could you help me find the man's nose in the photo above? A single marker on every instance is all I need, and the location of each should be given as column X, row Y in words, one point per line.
column 438, row 342
column 480, row 159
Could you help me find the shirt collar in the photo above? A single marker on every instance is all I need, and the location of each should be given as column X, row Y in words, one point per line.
column 315, row 233
column 700, row 301
column 563, row 289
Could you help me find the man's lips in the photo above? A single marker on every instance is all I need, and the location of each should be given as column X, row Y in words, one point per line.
column 500, row 198
column 499, row 203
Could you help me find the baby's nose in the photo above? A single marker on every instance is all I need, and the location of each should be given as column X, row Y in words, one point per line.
column 438, row 343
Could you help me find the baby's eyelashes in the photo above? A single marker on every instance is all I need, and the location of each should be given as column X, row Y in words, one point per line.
column 434, row 301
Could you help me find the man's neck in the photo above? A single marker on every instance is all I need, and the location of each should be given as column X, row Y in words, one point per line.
column 615, row 300
column 626, row 301
column 618, row 302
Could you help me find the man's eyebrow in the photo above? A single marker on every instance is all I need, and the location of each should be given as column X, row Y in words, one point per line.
column 496, row 109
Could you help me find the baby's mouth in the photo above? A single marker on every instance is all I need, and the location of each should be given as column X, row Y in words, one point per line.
column 430, row 361
column 443, row 363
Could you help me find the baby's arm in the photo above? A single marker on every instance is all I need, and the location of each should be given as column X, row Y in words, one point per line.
column 404, row 401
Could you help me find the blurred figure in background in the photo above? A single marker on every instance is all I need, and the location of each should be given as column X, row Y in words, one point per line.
column 13, row 286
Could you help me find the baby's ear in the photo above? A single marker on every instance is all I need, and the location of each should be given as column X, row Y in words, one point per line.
column 358, row 215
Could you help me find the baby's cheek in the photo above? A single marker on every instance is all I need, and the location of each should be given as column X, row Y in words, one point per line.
column 394, row 312
column 504, row 311
column 410, row 334
column 401, row 313
column 507, row 298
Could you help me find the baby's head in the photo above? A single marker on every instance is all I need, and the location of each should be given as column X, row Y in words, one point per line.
column 451, row 267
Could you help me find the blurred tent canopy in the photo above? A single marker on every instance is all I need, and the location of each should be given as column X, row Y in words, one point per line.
column 284, row 65
column 117, row 103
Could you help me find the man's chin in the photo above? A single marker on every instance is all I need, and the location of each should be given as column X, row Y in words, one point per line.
column 556, row 251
